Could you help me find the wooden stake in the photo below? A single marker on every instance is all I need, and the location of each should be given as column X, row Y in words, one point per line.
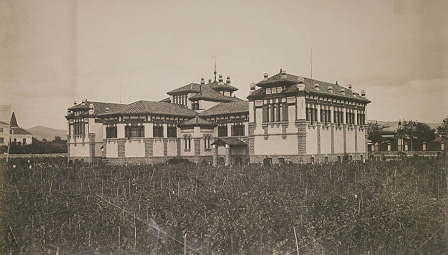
column 185, row 244
column 119, row 239
column 297, row 243
column 135, row 233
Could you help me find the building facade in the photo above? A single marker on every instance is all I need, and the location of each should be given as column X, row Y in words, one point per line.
column 288, row 118
column 297, row 119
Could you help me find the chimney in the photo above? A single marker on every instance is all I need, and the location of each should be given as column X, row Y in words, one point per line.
column 300, row 83
column 202, row 81
column 220, row 80
column 316, row 86
column 252, row 88
column 265, row 77
column 330, row 89
column 283, row 74
column 209, row 80
column 363, row 93
column 228, row 80
column 75, row 103
column 342, row 90
column 107, row 109
column 350, row 86
column 91, row 108
column 337, row 83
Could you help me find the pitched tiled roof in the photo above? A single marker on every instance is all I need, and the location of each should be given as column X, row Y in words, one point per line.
column 227, row 108
column 196, row 121
column 149, row 107
column 216, row 86
column 166, row 100
column 309, row 87
column 19, row 131
column 98, row 107
column 229, row 141
column 192, row 87
column 207, row 93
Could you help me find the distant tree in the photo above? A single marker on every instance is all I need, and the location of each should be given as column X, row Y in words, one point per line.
column 374, row 131
column 424, row 133
column 442, row 130
column 416, row 132
column 40, row 147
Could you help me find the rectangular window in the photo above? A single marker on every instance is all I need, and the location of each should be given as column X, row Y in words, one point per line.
column 278, row 112
column 111, row 132
column 24, row 141
column 207, row 142
column 1, row 130
column 187, row 142
column 2, row 140
column 237, row 130
column 134, row 131
column 195, row 105
column 265, row 113
column 222, row 131
column 79, row 128
column 157, row 131
column 285, row 112
column 172, row 132
column 308, row 113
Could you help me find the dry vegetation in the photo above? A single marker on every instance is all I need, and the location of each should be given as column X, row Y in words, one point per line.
column 377, row 208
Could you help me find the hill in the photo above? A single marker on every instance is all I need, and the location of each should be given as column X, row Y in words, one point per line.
column 41, row 132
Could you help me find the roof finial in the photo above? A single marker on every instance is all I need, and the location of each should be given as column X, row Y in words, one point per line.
column 215, row 69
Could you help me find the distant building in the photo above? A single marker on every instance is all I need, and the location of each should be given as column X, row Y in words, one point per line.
column 288, row 118
column 4, row 133
column 17, row 134
column 10, row 130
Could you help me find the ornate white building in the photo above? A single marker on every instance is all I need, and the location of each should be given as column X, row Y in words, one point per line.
column 288, row 118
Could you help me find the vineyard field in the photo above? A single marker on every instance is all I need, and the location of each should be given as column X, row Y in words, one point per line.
column 396, row 207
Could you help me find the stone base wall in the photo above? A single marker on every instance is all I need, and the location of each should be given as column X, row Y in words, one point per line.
column 307, row 158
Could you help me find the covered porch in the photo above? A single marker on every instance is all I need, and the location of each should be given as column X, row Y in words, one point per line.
column 235, row 151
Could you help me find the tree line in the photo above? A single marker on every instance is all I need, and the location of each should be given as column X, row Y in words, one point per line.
column 57, row 145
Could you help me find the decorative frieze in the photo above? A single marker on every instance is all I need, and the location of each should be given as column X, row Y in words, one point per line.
column 318, row 139
column 149, row 147
column 121, row 148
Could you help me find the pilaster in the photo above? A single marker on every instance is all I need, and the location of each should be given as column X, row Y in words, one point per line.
column 301, row 136
column 197, row 146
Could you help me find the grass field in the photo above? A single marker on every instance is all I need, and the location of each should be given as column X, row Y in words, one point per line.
column 395, row 207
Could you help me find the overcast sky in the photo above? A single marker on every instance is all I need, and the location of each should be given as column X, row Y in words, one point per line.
column 55, row 52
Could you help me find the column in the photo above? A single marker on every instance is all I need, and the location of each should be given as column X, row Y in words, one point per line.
column 227, row 162
column 215, row 155
column 318, row 106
